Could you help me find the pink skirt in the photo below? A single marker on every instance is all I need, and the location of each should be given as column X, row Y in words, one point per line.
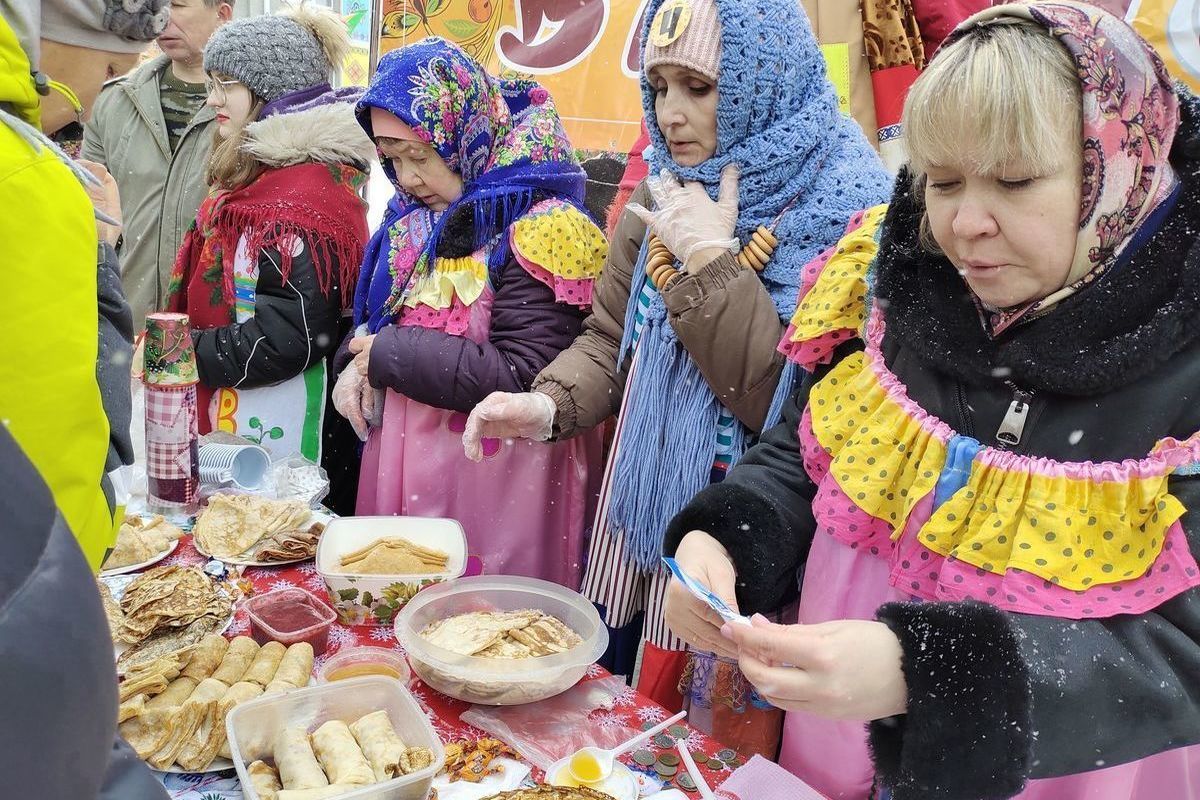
column 526, row 508
column 841, row 583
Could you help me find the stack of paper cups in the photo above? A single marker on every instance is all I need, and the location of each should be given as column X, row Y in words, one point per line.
column 172, row 434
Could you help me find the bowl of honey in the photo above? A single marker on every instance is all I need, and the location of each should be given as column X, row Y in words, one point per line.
column 358, row 661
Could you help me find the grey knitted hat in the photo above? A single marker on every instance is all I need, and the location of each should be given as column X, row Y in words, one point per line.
column 117, row 26
column 279, row 54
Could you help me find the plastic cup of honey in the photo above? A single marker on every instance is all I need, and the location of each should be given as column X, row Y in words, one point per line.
column 358, row 661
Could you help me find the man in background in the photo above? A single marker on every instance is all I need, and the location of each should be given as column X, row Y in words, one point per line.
column 153, row 132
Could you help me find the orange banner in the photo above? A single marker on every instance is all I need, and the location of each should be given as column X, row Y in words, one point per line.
column 585, row 52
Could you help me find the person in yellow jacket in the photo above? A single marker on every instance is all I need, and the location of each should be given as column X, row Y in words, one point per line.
column 64, row 326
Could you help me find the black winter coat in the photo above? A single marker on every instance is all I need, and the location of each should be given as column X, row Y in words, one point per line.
column 1112, row 370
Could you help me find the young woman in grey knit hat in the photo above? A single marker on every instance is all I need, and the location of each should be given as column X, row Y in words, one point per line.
column 270, row 265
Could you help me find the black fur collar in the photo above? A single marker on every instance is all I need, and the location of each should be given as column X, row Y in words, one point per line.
column 458, row 236
column 1120, row 329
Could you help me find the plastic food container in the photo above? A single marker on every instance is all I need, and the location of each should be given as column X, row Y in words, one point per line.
column 360, row 599
column 289, row 616
column 359, row 661
column 253, row 727
column 491, row 681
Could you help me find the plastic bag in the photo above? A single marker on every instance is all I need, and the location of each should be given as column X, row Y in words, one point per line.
column 550, row 730
column 297, row 478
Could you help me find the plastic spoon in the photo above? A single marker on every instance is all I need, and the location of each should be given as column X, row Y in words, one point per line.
column 592, row 765
column 686, row 758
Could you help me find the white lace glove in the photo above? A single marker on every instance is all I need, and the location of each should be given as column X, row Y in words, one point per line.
column 501, row 415
column 348, row 398
column 686, row 219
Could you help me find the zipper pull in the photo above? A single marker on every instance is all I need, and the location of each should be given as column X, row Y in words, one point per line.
column 1013, row 425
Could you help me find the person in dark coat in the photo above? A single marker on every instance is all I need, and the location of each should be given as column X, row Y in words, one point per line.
column 480, row 274
column 988, row 486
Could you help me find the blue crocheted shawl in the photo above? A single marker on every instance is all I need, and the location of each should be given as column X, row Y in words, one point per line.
column 504, row 137
column 778, row 120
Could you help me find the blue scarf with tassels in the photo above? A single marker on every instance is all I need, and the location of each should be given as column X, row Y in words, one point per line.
column 504, row 137
column 802, row 162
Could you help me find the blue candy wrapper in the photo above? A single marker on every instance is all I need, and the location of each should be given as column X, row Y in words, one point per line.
column 701, row 591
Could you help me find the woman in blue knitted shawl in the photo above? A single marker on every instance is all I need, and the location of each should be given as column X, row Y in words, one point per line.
column 681, row 344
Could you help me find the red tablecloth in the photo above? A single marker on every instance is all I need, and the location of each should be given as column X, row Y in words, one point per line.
column 630, row 709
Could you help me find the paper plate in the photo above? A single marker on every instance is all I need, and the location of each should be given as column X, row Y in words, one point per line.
column 315, row 516
column 107, row 573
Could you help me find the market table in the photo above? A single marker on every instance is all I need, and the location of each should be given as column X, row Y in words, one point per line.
column 629, row 710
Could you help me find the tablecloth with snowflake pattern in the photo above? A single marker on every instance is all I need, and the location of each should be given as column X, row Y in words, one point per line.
column 444, row 712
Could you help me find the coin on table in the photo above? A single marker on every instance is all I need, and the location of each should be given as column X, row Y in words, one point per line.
column 648, row 725
column 734, row 763
column 644, row 757
column 686, row 783
column 727, row 754
column 665, row 771
column 678, row 731
column 700, row 757
column 670, row 759
column 663, row 741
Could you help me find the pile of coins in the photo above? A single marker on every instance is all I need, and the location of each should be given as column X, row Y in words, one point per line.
column 667, row 763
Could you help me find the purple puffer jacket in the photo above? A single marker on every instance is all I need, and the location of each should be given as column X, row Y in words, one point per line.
column 529, row 328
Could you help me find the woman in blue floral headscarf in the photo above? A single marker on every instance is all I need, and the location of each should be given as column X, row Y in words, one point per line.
column 480, row 274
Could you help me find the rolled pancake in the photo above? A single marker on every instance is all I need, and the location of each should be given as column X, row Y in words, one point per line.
column 237, row 658
column 340, row 755
column 206, row 657
column 278, row 687
column 317, row 794
column 379, row 743
column 175, row 695
column 264, row 780
column 266, row 662
column 296, row 666
column 238, row 693
column 296, row 762
column 209, row 689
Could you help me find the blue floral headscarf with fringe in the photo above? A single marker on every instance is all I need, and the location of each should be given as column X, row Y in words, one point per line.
column 503, row 137
column 803, row 163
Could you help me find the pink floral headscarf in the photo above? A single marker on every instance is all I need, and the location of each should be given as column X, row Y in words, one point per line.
column 1130, row 115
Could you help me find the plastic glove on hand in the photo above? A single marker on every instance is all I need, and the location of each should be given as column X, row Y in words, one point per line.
column 348, row 398
column 686, row 219
column 502, row 415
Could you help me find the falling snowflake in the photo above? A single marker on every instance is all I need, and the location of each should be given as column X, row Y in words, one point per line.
column 651, row 714
column 382, row 634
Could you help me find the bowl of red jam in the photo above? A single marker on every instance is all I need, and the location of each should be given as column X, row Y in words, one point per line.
column 290, row 616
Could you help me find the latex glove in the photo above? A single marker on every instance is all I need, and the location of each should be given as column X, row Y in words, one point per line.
column 348, row 395
column 706, row 560
column 686, row 219
column 361, row 346
column 502, row 415
column 845, row 669
column 106, row 199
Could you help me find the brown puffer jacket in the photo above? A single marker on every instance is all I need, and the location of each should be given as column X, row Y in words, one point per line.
column 722, row 315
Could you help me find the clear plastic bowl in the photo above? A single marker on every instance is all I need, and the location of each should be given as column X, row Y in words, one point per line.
column 253, row 727
column 265, row 610
column 491, row 681
column 364, row 657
